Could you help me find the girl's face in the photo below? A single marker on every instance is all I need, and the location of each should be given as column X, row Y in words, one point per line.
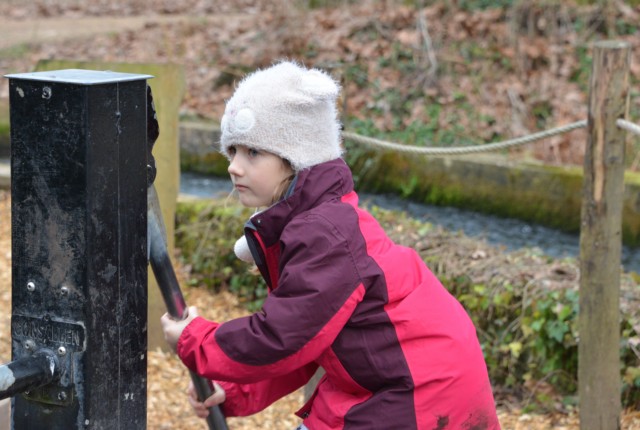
column 257, row 175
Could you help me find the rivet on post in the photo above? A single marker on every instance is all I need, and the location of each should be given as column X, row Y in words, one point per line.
column 62, row 351
column 29, row 345
column 31, row 286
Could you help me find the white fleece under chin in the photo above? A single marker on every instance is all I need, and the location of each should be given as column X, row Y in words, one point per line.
column 241, row 249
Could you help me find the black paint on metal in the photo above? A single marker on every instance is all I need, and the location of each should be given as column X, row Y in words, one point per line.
column 161, row 264
column 172, row 295
column 79, row 257
column 160, row 261
column 153, row 131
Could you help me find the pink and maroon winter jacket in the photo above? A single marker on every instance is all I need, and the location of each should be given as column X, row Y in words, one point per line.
column 398, row 350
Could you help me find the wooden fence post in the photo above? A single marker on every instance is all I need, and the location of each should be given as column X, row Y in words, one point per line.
column 601, row 240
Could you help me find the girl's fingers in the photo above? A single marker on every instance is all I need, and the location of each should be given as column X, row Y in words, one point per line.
column 201, row 409
column 198, row 407
column 217, row 397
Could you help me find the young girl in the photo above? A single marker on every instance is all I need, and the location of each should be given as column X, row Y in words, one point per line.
column 398, row 351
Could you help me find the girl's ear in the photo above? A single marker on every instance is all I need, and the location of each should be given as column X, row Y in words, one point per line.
column 318, row 85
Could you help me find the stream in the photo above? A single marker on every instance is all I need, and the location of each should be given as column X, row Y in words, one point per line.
column 510, row 233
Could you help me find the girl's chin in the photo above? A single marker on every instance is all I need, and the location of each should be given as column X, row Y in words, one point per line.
column 249, row 202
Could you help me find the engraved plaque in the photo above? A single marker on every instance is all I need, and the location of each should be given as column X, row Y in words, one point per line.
column 49, row 332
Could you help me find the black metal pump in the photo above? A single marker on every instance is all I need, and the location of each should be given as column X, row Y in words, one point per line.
column 79, row 250
column 82, row 187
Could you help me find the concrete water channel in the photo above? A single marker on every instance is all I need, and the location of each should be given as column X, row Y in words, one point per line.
column 510, row 233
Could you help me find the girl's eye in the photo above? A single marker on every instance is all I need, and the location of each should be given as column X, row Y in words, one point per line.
column 231, row 150
column 253, row 152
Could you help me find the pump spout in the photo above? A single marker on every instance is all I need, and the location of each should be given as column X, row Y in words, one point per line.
column 28, row 373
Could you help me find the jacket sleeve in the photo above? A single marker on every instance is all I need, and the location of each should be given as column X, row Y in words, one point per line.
column 247, row 399
column 318, row 290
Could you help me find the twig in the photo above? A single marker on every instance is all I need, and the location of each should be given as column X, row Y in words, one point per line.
column 428, row 43
column 519, row 110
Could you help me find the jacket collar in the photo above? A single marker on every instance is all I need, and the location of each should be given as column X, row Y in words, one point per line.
column 311, row 187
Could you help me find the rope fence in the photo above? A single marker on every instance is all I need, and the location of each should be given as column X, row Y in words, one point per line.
column 629, row 126
column 460, row 150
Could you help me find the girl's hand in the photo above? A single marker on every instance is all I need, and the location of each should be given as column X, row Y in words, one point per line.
column 202, row 408
column 173, row 329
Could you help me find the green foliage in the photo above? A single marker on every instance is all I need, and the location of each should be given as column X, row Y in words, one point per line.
column 15, row 51
column 625, row 28
column 631, row 368
column 428, row 133
column 581, row 74
column 205, row 234
column 529, row 333
column 356, row 72
column 319, row 4
column 542, row 110
column 631, row 387
column 5, row 132
column 471, row 5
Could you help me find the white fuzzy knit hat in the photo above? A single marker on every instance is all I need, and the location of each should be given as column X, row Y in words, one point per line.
column 288, row 110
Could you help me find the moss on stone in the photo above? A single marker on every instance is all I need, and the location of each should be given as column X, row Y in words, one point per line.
column 5, row 137
column 546, row 195
column 207, row 164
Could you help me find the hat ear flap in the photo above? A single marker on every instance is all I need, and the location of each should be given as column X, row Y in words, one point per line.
column 319, row 85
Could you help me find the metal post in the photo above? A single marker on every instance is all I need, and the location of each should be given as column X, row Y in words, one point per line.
column 601, row 240
column 79, row 247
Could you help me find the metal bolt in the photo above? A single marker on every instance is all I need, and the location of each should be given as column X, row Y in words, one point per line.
column 46, row 92
column 64, row 290
column 62, row 396
column 62, row 350
column 29, row 345
column 31, row 286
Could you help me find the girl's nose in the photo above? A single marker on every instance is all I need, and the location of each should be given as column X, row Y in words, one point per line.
column 234, row 167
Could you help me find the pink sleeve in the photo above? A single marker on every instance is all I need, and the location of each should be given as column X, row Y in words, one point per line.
column 199, row 346
column 247, row 399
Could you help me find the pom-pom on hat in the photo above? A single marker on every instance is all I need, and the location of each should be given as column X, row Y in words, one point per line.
column 288, row 110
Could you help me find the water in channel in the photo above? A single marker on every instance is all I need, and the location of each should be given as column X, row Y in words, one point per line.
column 510, row 233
